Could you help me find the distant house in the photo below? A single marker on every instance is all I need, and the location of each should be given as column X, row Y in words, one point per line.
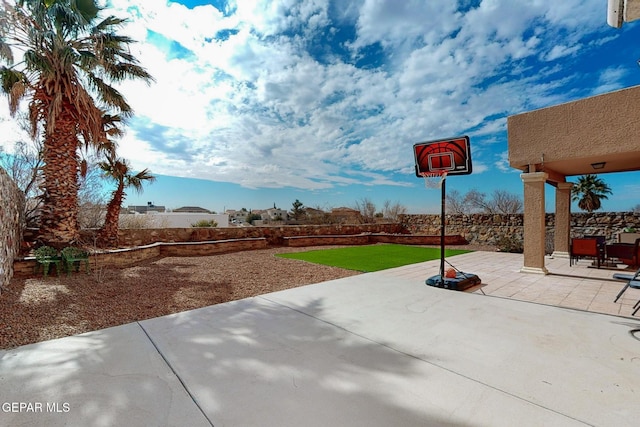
column 274, row 214
column 149, row 207
column 237, row 217
column 191, row 209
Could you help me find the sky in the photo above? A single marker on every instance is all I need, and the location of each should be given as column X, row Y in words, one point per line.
column 259, row 103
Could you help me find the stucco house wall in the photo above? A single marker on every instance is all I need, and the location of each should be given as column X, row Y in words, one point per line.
column 569, row 137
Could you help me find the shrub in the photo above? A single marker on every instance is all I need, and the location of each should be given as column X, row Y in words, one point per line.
column 510, row 244
column 44, row 252
column 205, row 223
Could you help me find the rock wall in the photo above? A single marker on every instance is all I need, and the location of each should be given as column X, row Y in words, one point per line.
column 11, row 225
column 483, row 229
column 477, row 229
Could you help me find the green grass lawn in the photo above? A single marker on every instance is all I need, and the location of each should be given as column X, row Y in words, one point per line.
column 372, row 257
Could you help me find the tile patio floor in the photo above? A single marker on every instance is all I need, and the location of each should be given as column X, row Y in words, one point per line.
column 580, row 286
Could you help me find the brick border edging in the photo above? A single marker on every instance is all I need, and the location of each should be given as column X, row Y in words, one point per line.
column 371, row 238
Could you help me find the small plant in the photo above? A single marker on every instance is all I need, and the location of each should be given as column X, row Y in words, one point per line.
column 45, row 253
column 205, row 223
column 71, row 255
column 629, row 230
column 45, row 256
column 510, row 244
column 73, row 252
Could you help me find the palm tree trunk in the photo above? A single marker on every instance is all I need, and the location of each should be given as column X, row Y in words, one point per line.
column 59, row 217
column 108, row 235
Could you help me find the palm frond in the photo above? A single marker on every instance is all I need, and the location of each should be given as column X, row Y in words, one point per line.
column 5, row 52
column 10, row 77
column 35, row 61
column 138, row 179
column 108, row 94
column 107, row 23
column 122, row 71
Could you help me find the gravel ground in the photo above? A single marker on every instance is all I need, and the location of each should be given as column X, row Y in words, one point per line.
column 39, row 309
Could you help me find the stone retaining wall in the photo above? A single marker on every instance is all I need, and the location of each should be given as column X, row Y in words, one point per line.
column 417, row 239
column 275, row 234
column 11, row 226
column 372, row 238
column 349, row 239
column 483, row 229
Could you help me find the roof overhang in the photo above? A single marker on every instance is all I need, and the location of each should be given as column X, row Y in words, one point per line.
column 599, row 134
column 620, row 11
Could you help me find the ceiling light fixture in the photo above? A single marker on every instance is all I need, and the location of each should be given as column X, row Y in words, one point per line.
column 599, row 165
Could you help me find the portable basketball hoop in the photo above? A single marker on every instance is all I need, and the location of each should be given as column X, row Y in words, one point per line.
column 434, row 161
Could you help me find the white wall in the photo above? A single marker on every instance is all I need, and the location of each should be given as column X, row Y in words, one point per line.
column 184, row 220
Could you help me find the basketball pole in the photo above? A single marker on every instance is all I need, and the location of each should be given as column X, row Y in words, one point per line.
column 442, row 219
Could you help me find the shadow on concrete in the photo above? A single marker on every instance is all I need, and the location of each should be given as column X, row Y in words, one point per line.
column 253, row 362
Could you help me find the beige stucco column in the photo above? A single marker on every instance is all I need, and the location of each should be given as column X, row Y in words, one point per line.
column 534, row 226
column 562, row 230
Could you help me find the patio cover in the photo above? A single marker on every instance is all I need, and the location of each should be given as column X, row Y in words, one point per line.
column 600, row 134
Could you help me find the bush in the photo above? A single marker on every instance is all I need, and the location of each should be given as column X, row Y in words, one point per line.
column 205, row 223
column 510, row 244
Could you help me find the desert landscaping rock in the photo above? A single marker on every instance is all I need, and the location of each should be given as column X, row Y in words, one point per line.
column 39, row 309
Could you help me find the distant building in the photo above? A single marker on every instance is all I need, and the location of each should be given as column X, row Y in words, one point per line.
column 237, row 217
column 192, row 209
column 189, row 219
column 274, row 214
column 150, row 207
column 171, row 219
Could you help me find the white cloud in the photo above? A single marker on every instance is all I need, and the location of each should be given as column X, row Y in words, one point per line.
column 561, row 50
column 610, row 79
column 264, row 108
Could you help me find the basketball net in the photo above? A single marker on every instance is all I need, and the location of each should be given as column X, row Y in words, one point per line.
column 434, row 179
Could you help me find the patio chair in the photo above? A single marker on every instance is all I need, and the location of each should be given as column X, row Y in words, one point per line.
column 72, row 255
column 632, row 255
column 45, row 257
column 633, row 281
column 583, row 247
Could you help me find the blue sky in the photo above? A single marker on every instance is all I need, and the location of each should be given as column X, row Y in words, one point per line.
column 266, row 101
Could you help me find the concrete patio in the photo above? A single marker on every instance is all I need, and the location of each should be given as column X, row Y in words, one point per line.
column 376, row 349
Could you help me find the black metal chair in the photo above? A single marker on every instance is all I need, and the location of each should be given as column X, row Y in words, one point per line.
column 633, row 281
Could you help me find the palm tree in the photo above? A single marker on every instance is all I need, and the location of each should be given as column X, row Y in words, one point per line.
column 589, row 191
column 119, row 170
column 69, row 59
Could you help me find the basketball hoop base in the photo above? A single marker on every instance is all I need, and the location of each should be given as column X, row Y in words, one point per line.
column 461, row 282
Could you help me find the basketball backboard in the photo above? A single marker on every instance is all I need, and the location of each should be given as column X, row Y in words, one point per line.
column 443, row 155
